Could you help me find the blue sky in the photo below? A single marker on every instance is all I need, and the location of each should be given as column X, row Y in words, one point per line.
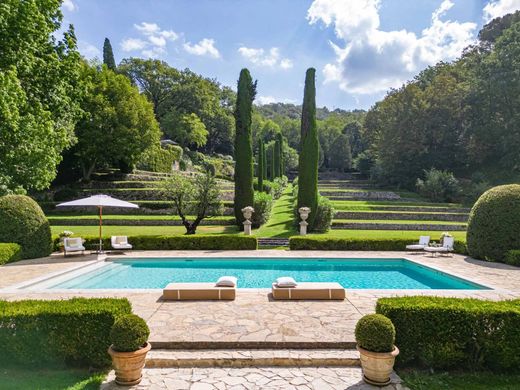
column 360, row 48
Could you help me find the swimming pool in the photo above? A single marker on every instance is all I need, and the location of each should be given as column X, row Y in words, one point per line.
column 140, row 273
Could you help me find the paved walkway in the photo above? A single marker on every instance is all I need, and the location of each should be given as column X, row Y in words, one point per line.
column 267, row 378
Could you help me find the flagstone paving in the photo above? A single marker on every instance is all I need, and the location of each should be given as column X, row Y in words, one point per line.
column 251, row 378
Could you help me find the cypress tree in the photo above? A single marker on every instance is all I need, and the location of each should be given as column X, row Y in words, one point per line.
column 108, row 55
column 309, row 146
column 276, row 158
column 265, row 160
column 261, row 162
column 244, row 192
column 279, row 138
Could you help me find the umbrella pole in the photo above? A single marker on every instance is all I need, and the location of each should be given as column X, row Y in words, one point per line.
column 100, row 229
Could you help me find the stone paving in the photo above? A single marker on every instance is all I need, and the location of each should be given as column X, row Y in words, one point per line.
column 251, row 378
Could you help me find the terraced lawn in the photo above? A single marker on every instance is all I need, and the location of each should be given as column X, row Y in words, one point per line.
column 387, row 234
column 399, row 221
column 141, row 230
column 355, row 205
column 280, row 225
column 131, row 217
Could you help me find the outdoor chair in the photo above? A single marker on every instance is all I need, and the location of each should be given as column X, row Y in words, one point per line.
column 73, row 245
column 424, row 241
column 120, row 242
column 446, row 248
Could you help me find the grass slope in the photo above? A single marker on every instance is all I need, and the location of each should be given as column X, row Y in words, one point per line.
column 280, row 224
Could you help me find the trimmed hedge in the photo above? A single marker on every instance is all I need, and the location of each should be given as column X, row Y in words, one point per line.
column 184, row 242
column 23, row 222
column 494, row 223
column 10, row 252
column 75, row 331
column 263, row 205
column 357, row 244
column 129, row 333
column 456, row 333
column 513, row 257
column 375, row 333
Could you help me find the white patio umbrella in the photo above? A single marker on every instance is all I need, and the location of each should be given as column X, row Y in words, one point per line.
column 99, row 201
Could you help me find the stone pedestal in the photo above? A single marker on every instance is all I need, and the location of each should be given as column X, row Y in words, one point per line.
column 304, row 214
column 248, row 213
column 303, row 228
column 247, row 227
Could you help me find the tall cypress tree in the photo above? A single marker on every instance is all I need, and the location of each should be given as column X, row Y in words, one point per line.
column 309, row 146
column 108, row 55
column 265, row 160
column 276, row 158
column 244, row 192
column 279, row 139
column 261, row 162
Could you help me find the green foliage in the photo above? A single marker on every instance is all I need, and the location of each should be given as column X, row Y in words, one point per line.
column 23, row 222
column 308, row 161
column 119, row 123
column 160, row 158
column 39, row 92
column 244, row 193
column 277, row 157
column 456, row 333
column 340, row 157
column 108, row 55
column 199, row 197
column 439, row 186
column 64, row 194
column 357, row 244
column 129, row 333
column 324, row 215
column 375, row 333
column 10, row 252
column 261, row 165
column 364, row 162
column 38, row 332
column 494, row 223
column 512, row 257
column 186, row 129
column 263, row 205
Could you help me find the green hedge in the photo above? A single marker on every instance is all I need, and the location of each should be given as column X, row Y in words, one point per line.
column 263, row 205
column 513, row 257
column 357, row 244
column 10, row 252
column 75, row 331
column 456, row 333
column 184, row 242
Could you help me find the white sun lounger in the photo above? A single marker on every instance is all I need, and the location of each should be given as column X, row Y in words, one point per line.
column 424, row 241
column 120, row 242
column 447, row 247
column 73, row 244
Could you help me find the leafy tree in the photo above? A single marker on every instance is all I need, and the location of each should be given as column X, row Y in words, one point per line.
column 108, row 55
column 354, row 132
column 261, row 164
column 39, row 93
column 199, row 197
column 308, row 161
column 340, row 156
column 188, row 130
column 244, row 193
column 119, row 124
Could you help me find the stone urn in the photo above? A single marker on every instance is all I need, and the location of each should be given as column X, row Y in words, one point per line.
column 129, row 365
column 377, row 366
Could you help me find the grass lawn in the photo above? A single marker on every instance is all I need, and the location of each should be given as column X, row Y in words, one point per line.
column 382, row 234
column 141, row 230
column 49, row 379
column 132, row 217
column 419, row 380
column 280, row 224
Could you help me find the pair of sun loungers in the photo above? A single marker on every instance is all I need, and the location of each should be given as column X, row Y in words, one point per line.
column 212, row 291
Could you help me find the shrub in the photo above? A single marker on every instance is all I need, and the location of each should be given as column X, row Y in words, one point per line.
column 324, row 216
column 364, row 162
column 77, row 331
column 494, row 223
column 23, row 222
column 513, row 257
column 129, row 333
column 311, row 242
column 375, row 333
column 160, row 159
column 65, row 194
column 186, row 242
column 439, row 186
column 263, row 205
column 457, row 333
column 10, row 252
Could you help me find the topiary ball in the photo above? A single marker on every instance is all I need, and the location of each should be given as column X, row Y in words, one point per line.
column 129, row 333
column 23, row 222
column 375, row 333
column 494, row 223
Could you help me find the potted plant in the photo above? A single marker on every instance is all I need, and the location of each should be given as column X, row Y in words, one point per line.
column 129, row 336
column 375, row 337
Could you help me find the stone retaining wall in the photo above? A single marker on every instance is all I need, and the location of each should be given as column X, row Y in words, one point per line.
column 402, row 216
column 397, row 226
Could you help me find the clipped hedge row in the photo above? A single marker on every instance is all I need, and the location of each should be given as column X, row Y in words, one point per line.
column 75, row 331
column 357, row 244
column 184, row 242
column 456, row 333
column 10, row 252
column 513, row 257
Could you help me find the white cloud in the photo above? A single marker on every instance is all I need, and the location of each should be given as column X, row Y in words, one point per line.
column 372, row 60
column 153, row 40
column 69, row 5
column 88, row 50
column 496, row 8
column 205, row 47
column 262, row 58
column 261, row 100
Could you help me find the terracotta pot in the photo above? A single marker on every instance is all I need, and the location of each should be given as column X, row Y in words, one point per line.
column 377, row 366
column 128, row 365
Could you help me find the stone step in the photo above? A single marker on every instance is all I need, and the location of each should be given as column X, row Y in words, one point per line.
column 412, row 216
column 236, row 358
column 273, row 242
column 397, row 226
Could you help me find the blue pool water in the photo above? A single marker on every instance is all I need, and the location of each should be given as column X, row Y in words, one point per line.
column 261, row 272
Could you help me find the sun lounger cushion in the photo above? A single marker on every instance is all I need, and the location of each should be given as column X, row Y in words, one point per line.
column 325, row 291
column 197, row 291
column 286, row 281
column 226, row 281
column 415, row 247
